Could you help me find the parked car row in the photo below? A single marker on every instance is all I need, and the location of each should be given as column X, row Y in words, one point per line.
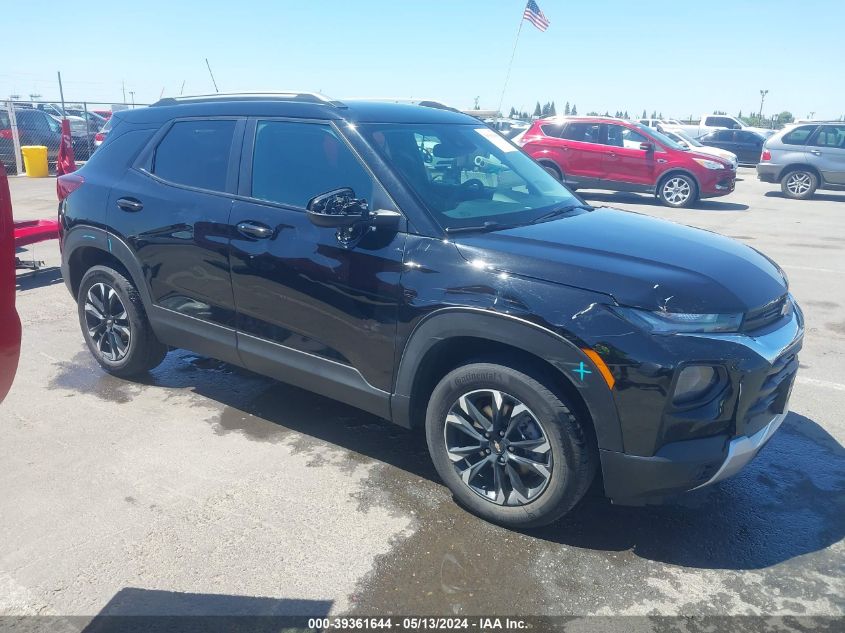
column 40, row 126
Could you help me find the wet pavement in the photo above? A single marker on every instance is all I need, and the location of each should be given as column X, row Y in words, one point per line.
column 208, row 480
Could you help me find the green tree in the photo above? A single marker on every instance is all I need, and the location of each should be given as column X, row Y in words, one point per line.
column 654, row 114
column 552, row 109
column 592, row 113
column 626, row 114
column 566, row 109
column 785, row 117
column 574, row 110
column 537, row 109
column 645, row 115
column 512, row 113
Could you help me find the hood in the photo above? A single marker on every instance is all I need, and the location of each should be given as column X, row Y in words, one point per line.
column 640, row 261
column 715, row 151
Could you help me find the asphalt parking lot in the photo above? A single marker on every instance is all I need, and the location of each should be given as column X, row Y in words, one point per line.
column 207, row 489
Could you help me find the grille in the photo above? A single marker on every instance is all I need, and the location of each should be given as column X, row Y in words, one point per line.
column 765, row 315
column 775, row 390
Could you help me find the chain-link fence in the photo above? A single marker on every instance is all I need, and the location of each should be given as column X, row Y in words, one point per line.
column 26, row 123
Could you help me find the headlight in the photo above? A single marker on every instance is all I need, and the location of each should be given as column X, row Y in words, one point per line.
column 709, row 164
column 673, row 322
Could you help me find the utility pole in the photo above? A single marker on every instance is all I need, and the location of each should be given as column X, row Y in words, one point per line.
column 132, row 94
column 212, row 75
column 123, row 87
column 763, row 94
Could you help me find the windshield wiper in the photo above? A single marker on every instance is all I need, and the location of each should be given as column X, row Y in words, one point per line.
column 486, row 226
column 560, row 211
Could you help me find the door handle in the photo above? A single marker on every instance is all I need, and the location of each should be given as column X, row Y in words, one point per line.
column 130, row 204
column 254, row 229
column 816, row 152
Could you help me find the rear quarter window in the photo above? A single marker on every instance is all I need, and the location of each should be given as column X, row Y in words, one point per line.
column 799, row 135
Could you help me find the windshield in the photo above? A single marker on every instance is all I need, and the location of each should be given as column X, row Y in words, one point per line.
column 659, row 137
column 677, row 135
column 468, row 175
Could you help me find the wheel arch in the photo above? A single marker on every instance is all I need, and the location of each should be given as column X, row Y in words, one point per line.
column 674, row 171
column 800, row 166
column 86, row 246
column 449, row 338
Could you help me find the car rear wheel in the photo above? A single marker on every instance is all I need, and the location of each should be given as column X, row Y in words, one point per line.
column 678, row 191
column 509, row 448
column 553, row 170
column 799, row 184
column 115, row 325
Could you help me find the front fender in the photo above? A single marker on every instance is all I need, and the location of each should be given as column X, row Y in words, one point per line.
column 516, row 332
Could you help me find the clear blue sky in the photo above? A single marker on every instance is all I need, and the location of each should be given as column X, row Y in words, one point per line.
column 677, row 58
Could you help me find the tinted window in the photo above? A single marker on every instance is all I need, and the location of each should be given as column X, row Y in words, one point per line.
column 724, row 136
column 585, row 132
column 799, row 135
column 720, row 121
column 749, row 137
column 294, row 162
column 830, row 136
column 552, row 129
column 621, row 136
column 4, row 120
column 195, row 153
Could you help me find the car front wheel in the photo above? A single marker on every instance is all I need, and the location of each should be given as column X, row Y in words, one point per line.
column 678, row 191
column 509, row 448
column 799, row 184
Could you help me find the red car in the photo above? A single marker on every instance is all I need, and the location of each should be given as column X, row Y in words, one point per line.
column 607, row 153
column 10, row 325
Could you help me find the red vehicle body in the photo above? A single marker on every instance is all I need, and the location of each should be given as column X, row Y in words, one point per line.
column 10, row 325
column 608, row 153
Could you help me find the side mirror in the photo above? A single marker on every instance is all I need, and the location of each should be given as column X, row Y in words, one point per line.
column 337, row 209
column 647, row 147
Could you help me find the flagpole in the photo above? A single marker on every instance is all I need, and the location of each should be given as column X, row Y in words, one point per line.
column 513, row 54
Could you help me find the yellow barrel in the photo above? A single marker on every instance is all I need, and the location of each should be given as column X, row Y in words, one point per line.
column 35, row 161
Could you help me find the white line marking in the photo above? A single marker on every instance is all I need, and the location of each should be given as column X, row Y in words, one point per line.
column 821, row 383
column 818, row 270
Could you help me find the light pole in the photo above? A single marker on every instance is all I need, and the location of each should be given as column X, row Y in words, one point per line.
column 132, row 94
column 763, row 94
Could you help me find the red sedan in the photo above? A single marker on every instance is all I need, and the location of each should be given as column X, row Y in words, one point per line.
column 10, row 325
column 608, row 153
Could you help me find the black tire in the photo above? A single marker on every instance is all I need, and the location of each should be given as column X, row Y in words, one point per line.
column 799, row 184
column 572, row 464
column 123, row 355
column 553, row 170
column 677, row 191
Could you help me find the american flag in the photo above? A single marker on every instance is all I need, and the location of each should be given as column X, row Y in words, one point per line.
column 535, row 16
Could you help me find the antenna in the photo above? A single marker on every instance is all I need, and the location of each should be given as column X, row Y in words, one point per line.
column 212, row 75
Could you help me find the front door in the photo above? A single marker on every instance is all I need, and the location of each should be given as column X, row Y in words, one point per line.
column 625, row 161
column 313, row 307
column 827, row 153
column 584, row 155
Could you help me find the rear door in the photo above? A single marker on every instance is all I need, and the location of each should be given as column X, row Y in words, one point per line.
column 582, row 152
column 172, row 211
column 748, row 146
column 314, row 308
column 827, row 153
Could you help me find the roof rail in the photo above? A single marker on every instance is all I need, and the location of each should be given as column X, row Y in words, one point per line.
column 428, row 103
column 302, row 97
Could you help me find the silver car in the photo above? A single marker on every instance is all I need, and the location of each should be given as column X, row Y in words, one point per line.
column 804, row 158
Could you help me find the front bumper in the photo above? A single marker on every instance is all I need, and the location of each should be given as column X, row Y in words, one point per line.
column 752, row 418
column 718, row 183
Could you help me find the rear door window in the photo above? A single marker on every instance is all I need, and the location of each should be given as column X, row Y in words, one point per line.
column 830, row 136
column 581, row 131
column 294, row 162
column 799, row 135
column 195, row 153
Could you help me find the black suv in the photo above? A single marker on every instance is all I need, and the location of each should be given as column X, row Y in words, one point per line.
column 410, row 261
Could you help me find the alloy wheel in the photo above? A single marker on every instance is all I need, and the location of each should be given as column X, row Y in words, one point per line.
column 107, row 322
column 798, row 183
column 498, row 447
column 677, row 190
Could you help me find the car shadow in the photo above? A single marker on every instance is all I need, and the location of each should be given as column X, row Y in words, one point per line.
column 649, row 200
column 825, row 197
column 786, row 503
column 143, row 610
column 40, row 278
